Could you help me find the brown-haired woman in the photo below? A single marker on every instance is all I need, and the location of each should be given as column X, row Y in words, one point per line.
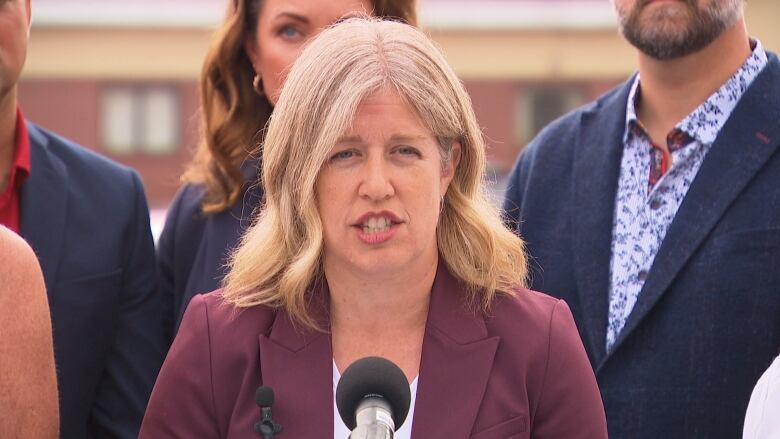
column 241, row 80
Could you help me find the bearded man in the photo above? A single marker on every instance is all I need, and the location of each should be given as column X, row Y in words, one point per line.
column 655, row 213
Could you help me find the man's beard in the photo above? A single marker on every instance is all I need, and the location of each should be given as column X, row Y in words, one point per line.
column 674, row 32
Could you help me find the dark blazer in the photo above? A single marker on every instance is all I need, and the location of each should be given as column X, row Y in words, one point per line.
column 707, row 321
column 193, row 247
column 87, row 220
column 521, row 372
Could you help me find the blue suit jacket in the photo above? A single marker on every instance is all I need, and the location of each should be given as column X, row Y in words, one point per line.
column 194, row 247
column 87, row 220
column 707, row 321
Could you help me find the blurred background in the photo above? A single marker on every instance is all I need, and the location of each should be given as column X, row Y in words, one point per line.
column 121, row 76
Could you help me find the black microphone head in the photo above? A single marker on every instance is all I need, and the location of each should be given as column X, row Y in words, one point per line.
column 373, row 376
column 264, row 396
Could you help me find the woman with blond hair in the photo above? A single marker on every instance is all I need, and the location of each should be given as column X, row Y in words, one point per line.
column 376, row 239
column 242, row 76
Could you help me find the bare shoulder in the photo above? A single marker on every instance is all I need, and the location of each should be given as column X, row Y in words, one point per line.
column 28, row 390
column 18, row 265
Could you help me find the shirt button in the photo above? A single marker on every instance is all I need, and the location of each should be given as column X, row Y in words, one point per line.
column 642, row 275
column 655, row 205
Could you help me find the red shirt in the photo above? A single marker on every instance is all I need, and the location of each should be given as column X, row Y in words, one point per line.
column 10, row 209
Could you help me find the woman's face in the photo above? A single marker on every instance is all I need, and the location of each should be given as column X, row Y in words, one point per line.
column 284, row 27
column 379, row 192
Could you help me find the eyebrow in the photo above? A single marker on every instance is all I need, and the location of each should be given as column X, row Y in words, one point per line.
column 292, row 15
column 393, row 138
column 407, row 137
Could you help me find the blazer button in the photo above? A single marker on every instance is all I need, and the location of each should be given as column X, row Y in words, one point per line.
column 655, row 205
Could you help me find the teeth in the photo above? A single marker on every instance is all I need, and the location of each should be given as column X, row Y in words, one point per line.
column 376, row 225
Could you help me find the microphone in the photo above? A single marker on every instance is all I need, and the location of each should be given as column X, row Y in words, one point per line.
column 266, row 427
column 373, row 398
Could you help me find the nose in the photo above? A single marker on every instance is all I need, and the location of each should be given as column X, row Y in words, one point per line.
column 376, row 184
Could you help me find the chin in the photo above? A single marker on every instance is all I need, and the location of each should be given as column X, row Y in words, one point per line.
column 379, row 265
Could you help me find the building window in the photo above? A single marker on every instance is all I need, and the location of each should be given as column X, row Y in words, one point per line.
column 140, row 120
column 537, row 106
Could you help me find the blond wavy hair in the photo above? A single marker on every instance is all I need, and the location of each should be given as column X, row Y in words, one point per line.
column 232, row 114
column 280, row 257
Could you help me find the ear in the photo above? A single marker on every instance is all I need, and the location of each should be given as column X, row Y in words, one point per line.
column 28, row 9
column 448, row 171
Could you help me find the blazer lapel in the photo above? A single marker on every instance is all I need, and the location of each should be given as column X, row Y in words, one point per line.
column 297, row 364
column 44, row 204
column 595, row 175
column 749, row 138
column 457, row 357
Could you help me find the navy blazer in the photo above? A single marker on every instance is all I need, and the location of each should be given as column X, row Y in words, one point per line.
column 707, row 321
column 194, row 247
column 520, row 372
column 87, row 220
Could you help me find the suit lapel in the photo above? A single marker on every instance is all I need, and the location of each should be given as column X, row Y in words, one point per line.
column 44, row 204
column 595, row 176
column 749, row 138
column 457, row 357
column 297, row 364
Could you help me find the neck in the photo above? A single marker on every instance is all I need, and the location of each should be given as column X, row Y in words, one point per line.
column 375, row 306
column 7, row 135
column 380, row 317
column 672, row 89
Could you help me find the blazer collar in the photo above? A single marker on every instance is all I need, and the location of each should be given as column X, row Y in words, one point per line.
column 44, row 204
column 298, row 363
column 749, row 138
column 457, row 357
column 596, row 167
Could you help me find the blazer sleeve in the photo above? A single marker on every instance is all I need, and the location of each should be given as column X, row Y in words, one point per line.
column 570, row 405
column 513, row 195
column 137, row 346
column 516, row 187
column 166, row 267
column 182, row 403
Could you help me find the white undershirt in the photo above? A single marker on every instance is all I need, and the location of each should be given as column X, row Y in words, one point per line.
column 761, row 420
column 340, row 430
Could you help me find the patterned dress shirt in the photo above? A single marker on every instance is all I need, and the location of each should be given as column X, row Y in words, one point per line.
column 654, row 181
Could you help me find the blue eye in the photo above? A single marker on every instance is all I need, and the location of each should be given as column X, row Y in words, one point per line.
column 408, row 150
column 343, row 155
column 290, row 32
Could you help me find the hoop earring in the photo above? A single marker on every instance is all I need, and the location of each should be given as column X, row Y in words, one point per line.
column 257, row 85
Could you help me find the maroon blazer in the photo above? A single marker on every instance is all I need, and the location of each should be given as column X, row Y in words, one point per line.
column 520, row 372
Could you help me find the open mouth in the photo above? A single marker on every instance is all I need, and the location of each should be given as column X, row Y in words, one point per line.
column 377, row 225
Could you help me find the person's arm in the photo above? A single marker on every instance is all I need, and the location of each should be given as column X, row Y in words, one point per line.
column 516, row 187
column 182, row 403
column 29, row 406
column 166, row 267
column 513, row 195
column 137, row 347
column 570, row 404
